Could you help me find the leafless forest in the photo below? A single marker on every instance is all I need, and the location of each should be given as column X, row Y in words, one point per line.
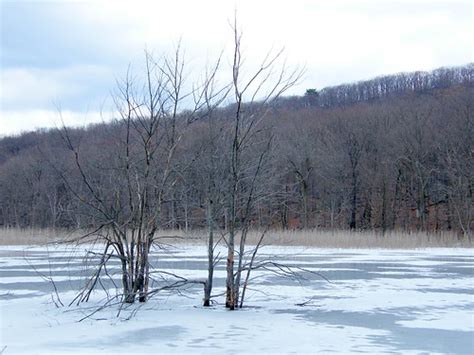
column 392, row 153
column 211, row 181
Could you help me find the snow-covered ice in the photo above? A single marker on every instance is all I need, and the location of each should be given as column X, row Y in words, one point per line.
column 377, row 301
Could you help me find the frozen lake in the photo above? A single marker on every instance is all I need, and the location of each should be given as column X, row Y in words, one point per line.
column 376, row 301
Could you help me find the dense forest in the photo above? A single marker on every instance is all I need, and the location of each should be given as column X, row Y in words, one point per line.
column 394, row 152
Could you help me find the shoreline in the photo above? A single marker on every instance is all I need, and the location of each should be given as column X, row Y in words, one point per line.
column 338, row 239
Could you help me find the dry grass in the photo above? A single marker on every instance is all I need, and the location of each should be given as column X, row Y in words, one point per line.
column 368, row 239
column 309, row 238
column 31, row 236
column 320, row 238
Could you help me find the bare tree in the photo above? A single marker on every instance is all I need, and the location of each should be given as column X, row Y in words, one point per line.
column 213, row 96
column 249, row 150
column 125, row 190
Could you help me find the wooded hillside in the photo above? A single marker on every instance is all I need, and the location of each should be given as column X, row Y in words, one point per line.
column 395, row 152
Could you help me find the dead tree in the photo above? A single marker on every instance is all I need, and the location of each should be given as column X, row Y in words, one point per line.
column 250, row 141
column 124, row 189
column 213, row 96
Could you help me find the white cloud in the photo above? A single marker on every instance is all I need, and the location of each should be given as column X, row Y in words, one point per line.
column 33, row 87
column 338, row 41
column 369, row 37
column 41, row 88
column 12, row 122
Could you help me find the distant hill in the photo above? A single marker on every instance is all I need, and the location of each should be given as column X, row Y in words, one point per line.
column 393, row 152
column 383, row 87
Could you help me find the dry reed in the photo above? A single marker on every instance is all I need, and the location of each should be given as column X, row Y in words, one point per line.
column 309, row 238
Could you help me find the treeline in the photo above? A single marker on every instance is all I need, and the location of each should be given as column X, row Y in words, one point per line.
column 329, row 159
column 384, row 87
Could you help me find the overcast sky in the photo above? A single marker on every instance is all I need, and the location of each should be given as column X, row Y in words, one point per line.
column 68, row 54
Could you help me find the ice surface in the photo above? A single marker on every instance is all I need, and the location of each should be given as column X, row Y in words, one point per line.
column 377, row 301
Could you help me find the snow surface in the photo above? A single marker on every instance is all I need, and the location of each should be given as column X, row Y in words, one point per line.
column 377, row 301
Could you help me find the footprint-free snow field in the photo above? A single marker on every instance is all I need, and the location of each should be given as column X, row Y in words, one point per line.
column 373, row 301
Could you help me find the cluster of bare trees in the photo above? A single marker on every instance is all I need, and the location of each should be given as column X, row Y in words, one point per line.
column 173, row 153
column 382, row 87
column 230, row 157
column 386, row 165
column 404, row 162
column 391, row 85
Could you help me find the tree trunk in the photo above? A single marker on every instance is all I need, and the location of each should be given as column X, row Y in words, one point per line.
column 210, row 254
column 230, row 302
column 240, row 266
column 304, row 188
column 128, row 294
column 352, row 223
column 384, row 206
